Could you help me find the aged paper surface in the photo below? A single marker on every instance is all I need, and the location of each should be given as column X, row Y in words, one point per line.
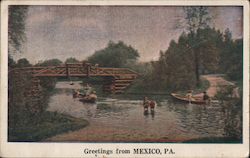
column 132, row 53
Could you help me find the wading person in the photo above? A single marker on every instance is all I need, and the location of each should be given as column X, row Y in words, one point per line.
column 206, row 97
column 152, row 106
column 146, row 103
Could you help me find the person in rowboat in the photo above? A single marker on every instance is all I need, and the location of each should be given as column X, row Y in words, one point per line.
column 205, row 96
column 189, row 95
column 86, row 90
column 76, row 93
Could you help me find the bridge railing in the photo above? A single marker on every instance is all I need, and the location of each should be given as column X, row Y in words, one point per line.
column 77, row 69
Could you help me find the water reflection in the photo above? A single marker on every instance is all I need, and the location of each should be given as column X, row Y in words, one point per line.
column 169, row 118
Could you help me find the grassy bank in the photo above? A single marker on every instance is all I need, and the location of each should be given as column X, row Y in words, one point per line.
column 202, row 87
column 139, row 87
column 47, row 125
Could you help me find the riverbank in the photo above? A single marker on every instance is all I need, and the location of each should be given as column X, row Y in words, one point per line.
column 48, row 124
column 98, row 132
column 216, row 81
column 214, row 85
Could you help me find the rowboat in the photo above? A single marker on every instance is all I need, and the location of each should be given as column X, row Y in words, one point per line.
column 91, row 98
column 194, row 100
column 88, row 99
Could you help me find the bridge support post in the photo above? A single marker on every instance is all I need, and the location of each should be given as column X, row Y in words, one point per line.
column 88, row 69
column 35, row 89
column 67, row 70
column 117, row 85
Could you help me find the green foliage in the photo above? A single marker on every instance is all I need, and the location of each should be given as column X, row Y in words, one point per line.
column 46, row 125
column 48, row 83
column 176, row 67
column 18, row 104
column 206, row 51
column 225, row 93
column 27, row 116
column 202, row 87
column 11, row 62
column 23, row 63
column 197, row 18
column 231, row 57
column 25, row 110
column 50, row 62
column 115, row 55
column 16, row 26
column 71, row 60
column 233, row 110
column 233, row 126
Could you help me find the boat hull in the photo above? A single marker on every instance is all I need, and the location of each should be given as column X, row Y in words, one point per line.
column 88, row 99
column 194, row 100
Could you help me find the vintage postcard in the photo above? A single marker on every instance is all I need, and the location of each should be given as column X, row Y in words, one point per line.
column 124, row 79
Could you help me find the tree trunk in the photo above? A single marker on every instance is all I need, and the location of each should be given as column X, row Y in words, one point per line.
column 197, row 67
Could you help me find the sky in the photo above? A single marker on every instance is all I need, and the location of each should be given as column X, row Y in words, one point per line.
column 78, row 31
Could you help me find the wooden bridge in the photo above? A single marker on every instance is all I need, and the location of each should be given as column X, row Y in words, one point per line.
column 115, row 80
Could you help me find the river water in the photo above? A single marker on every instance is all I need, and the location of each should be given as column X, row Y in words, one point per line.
column 120, row 118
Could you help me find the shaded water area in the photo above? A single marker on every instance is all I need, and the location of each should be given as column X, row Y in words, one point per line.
column 120, row 118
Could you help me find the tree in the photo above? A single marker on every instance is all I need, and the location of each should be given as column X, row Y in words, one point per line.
column 11, row 62
column 235, row 71
column 231, row 56
column 71, row 60
column 23, row 63
column 115, row 55
column 50, row 62
column 227, row 50
column 176, row 69
column 208, row 50
column 16, row 30
column 197, row 18
column 18, row 113
column 180, row 74
column 16, row 27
